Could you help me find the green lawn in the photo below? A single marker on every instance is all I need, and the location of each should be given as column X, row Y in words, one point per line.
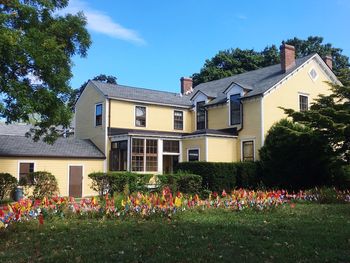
column 306, row 233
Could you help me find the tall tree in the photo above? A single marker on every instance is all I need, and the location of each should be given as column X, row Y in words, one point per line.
column 36, row 50
column 234, row 61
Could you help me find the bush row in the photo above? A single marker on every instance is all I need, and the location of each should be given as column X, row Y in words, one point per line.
column 117, row 182
column 219, row 176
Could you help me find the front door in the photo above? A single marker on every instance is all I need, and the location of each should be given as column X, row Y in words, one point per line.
column 75, row 181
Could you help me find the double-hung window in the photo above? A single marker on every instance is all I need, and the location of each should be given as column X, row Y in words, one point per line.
column 98, row 114
column 248, row 151
column 140, row 116
column 178, row 120
column 235, row 109
column 24, row 170
column 193, row 155
column 303, row 103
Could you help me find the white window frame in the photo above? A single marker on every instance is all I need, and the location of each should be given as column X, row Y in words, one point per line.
column 188, row 153
column 82, row 180
column 97, row 104
column 248, row 140
column 205, row 115
column 24, row 161
column 229, row 111
column 146, row 110
column 183, row 120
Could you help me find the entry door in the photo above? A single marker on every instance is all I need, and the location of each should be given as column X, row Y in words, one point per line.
column 75, row 181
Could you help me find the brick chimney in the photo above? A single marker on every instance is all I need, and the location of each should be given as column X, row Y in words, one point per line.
column 186, row 85
column 329, row 61
column 287, row 53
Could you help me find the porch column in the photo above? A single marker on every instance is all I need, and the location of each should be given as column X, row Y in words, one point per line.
column 160, row 156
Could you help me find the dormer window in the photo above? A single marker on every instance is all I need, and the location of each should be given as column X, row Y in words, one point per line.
column 140, row 116
column 200, row 115
column 235, row 109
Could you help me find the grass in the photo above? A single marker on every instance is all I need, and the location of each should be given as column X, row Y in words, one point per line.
column 306, row 233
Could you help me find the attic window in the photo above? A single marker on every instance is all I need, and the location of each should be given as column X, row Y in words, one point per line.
column 313, row 74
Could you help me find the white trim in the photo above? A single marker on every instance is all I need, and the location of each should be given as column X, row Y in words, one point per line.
column 89, row 84
column 248, row 140
column 106, row 122
column 160, row 155
column 128, row 158
column 180, row 150
column 146, row 112
column 199, row 153
column 206, row 149
column 229, row 111
column 208, row 135
column 150, row 103
column 24, row 161
column 262, row 120
column 183, row 120
column 82, row 179
column 205, row 114
column 306, row 96
column 147, row 136
column 321, row 63
column 95, row 106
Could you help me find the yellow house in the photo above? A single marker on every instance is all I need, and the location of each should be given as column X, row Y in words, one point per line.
column 225, row 120
column 71, row 160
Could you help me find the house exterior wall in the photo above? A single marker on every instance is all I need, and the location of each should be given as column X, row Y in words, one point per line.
column 222, row 149
column 287, row 94
column 85, row 117
column 194, row 143
column 58, row 167
column 218, row 117
column 251, row 126
column 160, row 118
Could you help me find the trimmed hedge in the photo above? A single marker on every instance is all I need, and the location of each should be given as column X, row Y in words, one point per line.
column 7, row 184
column 182, row 182
column 219, row 176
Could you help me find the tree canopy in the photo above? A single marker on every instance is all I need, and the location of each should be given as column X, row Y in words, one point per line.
column 235, row 61
column 36, row 50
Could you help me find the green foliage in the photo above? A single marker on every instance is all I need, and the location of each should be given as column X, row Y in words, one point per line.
column 36, row 42
column 118, row 182
column 327, row 195
column 182, row 182
column 44, row 183
column 219, row 176
column 294, row 157
column 7, row 184
column 235, row 61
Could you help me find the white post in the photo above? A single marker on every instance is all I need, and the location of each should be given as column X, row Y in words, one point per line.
column 160, row 156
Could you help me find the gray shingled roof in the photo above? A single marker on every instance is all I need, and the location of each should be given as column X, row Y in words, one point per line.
column 15, row 145
column 257, row 81
column 14, row 129
column 141, row 94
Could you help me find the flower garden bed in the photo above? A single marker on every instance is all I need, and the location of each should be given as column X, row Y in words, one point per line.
column 147, row 205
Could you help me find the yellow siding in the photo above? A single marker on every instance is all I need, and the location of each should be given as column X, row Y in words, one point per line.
column 160, row 118
column 193, row 143
column 287, row 95
column 222, row 149
column 58, row 167
column 251, row 125
column 85, row 117
column 218, row 117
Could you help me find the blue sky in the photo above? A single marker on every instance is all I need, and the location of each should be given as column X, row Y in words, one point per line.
column 153, row 43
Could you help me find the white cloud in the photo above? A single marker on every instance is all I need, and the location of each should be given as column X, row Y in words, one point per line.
column 102, row 23
column 241, row 17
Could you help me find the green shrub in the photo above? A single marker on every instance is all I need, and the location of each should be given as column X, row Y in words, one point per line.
column 7, row 184
column 44, row 183
column 100, row 182
column 327, row 195
column 189, row 183
column 248, row 175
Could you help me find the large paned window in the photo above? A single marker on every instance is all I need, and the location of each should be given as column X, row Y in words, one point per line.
column 200, row 115
column 193, row 155
column 98, row 114
column 138, row 152
column 144, row 155
column 248, row 151
column 140, row 116
column 151, row 155
column 171, row 146
column 178, row 120
column 24, row 170
column 235, row 109
column 303, row 103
